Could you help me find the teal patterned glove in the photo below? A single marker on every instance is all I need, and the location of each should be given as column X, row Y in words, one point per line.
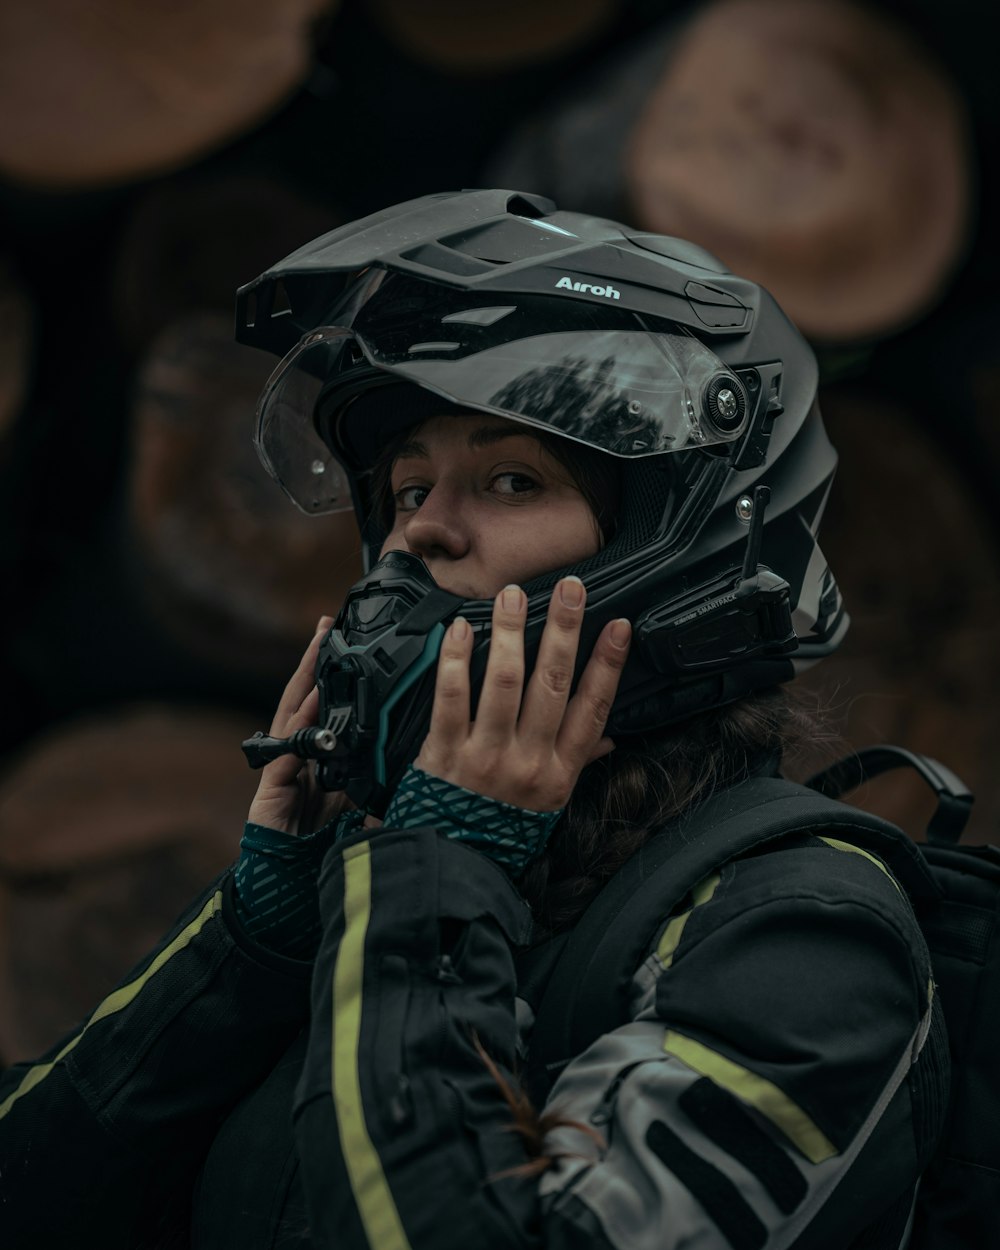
column 275, row 886
column 510, row 836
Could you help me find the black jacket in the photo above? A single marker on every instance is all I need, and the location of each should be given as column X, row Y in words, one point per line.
column 781, row 1082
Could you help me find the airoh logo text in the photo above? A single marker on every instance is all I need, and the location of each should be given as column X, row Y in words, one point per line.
column 609, row 292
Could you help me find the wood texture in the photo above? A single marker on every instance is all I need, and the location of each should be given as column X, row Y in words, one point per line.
column 108, row 828
column 231, row 568
column 108, row 90
column 919, row 569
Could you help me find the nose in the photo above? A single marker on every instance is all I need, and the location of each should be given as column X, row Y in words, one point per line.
column 438, row 528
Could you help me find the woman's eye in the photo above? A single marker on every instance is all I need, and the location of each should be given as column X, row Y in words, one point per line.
column 513, row 484
column 409, row 498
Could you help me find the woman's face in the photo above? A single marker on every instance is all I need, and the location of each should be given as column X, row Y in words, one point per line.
column 484, row 504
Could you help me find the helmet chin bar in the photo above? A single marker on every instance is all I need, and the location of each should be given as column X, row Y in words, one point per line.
column 387, row 635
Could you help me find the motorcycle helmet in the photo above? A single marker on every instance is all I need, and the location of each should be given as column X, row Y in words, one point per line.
column 641, row 348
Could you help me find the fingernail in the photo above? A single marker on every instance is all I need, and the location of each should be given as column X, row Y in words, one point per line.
column 621, row 632
column 510, row 598
column 571, row 592
column 460, row 629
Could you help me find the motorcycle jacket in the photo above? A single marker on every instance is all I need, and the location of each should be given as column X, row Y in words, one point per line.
column 780, row 1082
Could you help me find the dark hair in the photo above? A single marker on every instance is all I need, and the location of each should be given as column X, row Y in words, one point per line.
column 624, row 798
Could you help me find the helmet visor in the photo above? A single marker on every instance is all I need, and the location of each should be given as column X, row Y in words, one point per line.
column 593, row 375
column 286, row 438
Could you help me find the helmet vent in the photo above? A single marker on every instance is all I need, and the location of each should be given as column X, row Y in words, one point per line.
column 479, row 316
column 281, row 305
column 522, row 206
column 444, row 260
column 507, row 241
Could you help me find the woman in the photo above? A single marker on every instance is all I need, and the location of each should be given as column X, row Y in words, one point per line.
column 554, row 434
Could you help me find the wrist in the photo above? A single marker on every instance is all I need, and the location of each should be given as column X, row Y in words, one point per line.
column 509, row 835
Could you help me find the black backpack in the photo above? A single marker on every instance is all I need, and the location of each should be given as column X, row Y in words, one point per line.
column 578, row 982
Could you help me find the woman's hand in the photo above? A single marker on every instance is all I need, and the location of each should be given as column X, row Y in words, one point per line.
column 526, row 747
column 288, row 798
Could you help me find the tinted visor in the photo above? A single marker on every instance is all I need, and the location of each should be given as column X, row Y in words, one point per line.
column 591, row 373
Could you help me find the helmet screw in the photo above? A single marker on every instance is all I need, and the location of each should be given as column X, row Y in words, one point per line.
column 634, row 407
column 744, row 508
column 318, row 467
column 727, row 403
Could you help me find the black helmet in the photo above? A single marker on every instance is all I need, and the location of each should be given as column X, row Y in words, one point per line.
column 641, row 346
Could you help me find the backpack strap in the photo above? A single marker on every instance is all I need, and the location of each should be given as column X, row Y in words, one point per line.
column 587, row 993
column 954, row 798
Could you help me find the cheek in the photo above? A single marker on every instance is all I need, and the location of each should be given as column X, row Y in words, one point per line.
column 573, row 528
column 394, row 540
column 549, row 538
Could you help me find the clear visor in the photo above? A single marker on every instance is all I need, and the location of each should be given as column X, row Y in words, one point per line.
column 628, row 392
column 286, row 438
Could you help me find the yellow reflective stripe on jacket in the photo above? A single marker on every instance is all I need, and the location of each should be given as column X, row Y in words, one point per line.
column 838, row 845
column 376, row 1207
column 788, row 1118
column 117, row 1000
column 668, row 943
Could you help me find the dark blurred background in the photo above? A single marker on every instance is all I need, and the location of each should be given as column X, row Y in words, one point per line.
column 157, row 589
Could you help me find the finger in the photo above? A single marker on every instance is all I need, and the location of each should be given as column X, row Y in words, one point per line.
column 450, row 710
column 300, row 683
column 316, row 806
column 503, row 681
column 548, row 689
column 587, row 714
column 284, row 771
column 307, row 713
column 604, row 747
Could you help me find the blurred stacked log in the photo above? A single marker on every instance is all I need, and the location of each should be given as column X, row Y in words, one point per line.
column 917, row 561
column 16, row 317
column 109, row 827
column 185, row 244
column 225, row 563
column 812, row 145
column 110, row 91
column 492, row 35
column 221, row 561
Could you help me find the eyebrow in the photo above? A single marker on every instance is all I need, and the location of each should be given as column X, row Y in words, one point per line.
column 487, row 435
column 481, row 436
column 413, row 450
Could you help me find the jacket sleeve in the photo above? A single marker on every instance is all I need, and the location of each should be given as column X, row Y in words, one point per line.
column 101, row 1139
column 764, row 1094
column 401, row 1130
